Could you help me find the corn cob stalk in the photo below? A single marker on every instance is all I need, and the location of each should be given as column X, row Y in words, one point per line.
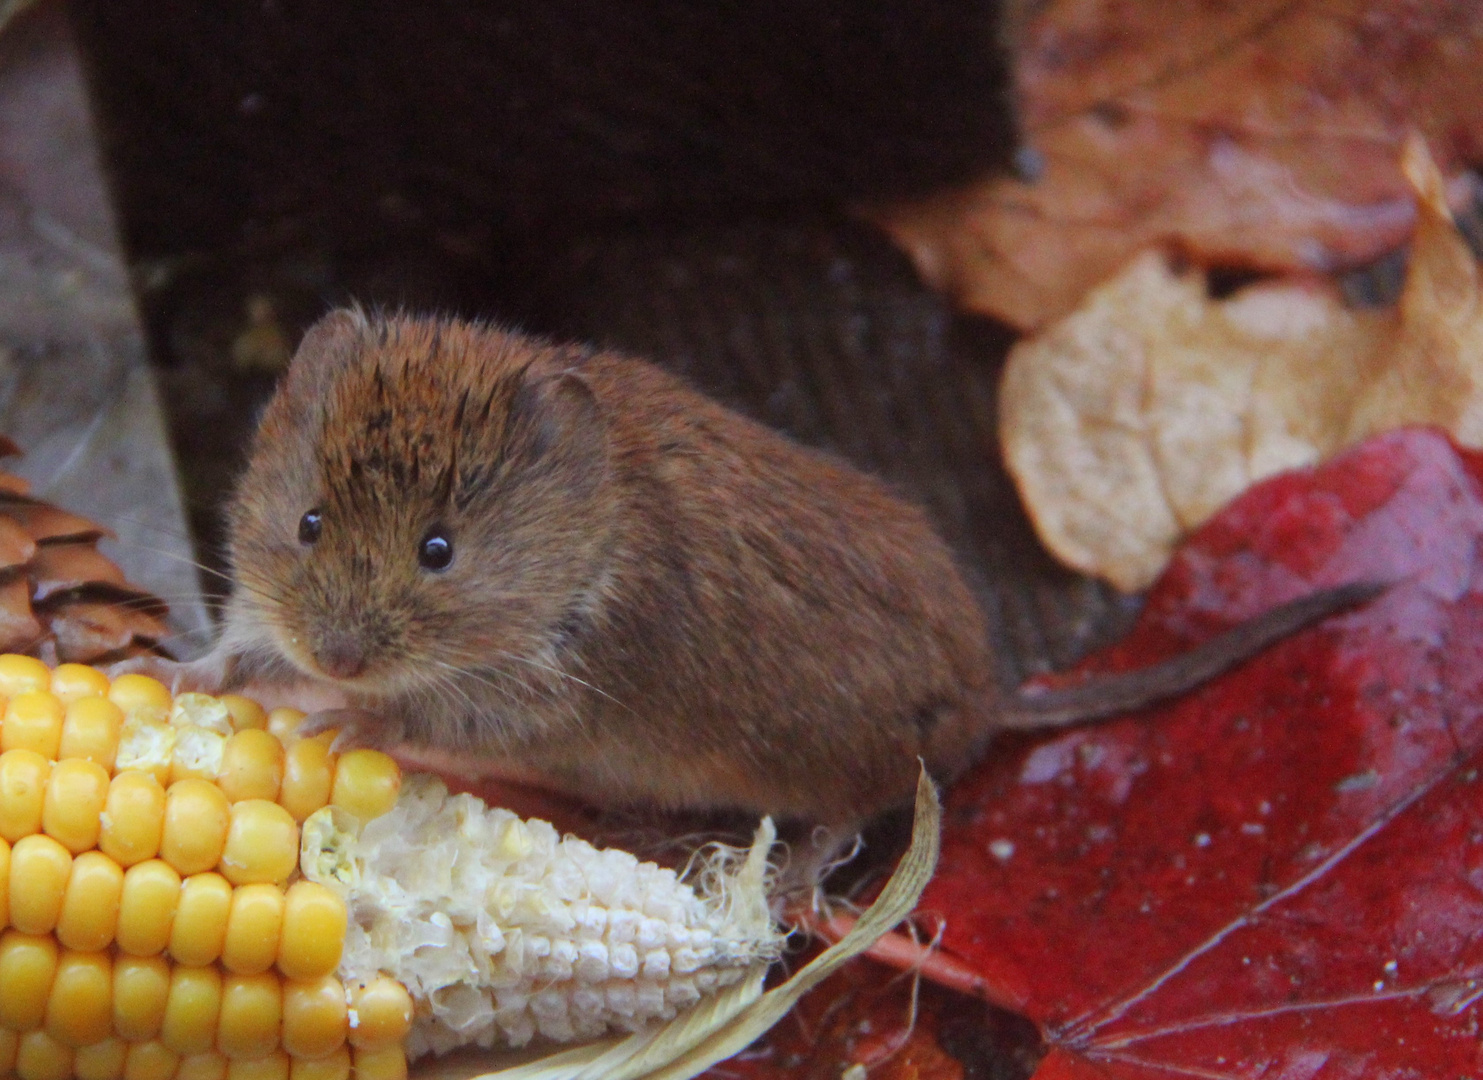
column 159, row 920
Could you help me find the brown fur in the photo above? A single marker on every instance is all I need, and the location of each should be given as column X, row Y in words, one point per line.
column 652, row 599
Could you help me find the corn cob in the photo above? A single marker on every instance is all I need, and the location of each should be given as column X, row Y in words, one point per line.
column 188, row 890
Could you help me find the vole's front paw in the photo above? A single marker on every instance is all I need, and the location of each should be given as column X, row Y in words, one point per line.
column 358, row 729
column 208, row 675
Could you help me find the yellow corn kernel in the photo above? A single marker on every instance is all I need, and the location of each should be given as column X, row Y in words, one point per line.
column 28, row 963
column 201, row 711
column 9, row 1040
column 314, row 921
column 90, row 729
column 147, row 907
column 23, row 776
column 22, row 674
column 308, row 774
column 101, row 1061
column 274, row 1066
column 334, row 1066
column 33, row 721
column 316, row 1020
column 366, row 783
column 73, row 682
column 151, row 1060
column 251, row 766
column 191, row 1010
column 141, row 698
column 89, row 916
column 79, row 1011
column 133, row 818
column 262, row 843
column 196, row 818
column 73, row 805
column 246, row 714
column 208, row 1066
column 283, row 724
column 196, row 755
column 41, row 1057
column 200, row 927
column 254, row 928
column 251, row 1012
column 147, row 747
column 383, row 1014
column 386, row 1064
column 39, row 868
column 4, row 889
column 141, row 986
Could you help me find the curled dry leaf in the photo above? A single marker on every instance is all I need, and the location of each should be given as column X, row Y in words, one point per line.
column 1260, row 134
column 1133, row 420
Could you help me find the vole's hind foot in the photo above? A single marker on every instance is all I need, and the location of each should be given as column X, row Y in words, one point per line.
column 814, row 853
column 208, row 675
column 357, row 729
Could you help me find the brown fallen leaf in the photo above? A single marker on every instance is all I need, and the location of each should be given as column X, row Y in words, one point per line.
column 1134, row 419
column 1261, row 135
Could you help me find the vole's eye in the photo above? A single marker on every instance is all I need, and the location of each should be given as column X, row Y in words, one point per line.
column 310, row 526
column 436, row 550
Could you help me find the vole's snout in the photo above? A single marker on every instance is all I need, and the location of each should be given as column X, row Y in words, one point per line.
column 340, row 654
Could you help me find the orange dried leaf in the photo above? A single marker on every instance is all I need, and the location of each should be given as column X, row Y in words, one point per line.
column 1260, row 135
column 1134, row 419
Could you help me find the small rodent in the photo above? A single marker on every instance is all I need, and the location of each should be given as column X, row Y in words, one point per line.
column 569, row 560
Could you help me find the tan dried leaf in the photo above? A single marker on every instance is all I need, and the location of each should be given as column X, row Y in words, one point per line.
column 1260, row 135
column 1137, row 417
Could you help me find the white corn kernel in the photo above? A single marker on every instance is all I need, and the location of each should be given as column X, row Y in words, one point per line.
column 502, row 929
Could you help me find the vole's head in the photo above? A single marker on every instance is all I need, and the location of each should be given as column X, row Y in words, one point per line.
column 422, row 496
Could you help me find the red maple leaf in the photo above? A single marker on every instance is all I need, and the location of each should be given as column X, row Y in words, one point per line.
column 1280, row 875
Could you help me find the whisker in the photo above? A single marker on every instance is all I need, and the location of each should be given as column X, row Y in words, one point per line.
column 560, row 674
column 446, row 688
column 469, row 674
column 207, row 602
column 176, row 556
column 483, row 676
column 145, row 523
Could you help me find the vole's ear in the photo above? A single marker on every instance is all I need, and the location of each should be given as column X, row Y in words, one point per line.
column 557, row 424
column 327, row 347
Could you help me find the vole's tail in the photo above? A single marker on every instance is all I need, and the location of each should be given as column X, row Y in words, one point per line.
column 1105, row 695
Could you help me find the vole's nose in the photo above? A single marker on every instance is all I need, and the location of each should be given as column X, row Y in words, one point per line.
column 340, row 656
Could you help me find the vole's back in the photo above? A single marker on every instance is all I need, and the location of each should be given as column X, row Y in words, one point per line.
column 778, row 631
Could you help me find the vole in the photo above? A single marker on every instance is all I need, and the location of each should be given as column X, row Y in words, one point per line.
column 569, row 561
